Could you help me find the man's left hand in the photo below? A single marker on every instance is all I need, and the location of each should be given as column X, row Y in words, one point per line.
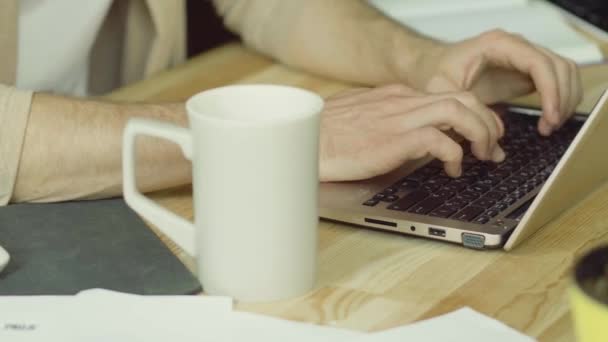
column 498, row 66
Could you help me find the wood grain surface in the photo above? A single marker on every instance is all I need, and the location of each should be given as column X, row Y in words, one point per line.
column 369, row 280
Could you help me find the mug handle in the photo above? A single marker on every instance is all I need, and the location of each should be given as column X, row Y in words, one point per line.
column 178, row 229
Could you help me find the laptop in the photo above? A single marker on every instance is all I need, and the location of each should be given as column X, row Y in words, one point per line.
column 491, row 205
column 591, row 15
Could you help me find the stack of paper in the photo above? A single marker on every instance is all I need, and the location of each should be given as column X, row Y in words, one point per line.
column 451, row 21
column 101, row 315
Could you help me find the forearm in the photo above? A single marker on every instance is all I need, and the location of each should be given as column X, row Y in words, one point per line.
column 72, row 149
column 345, row 39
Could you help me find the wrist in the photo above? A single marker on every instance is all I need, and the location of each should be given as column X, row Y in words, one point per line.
column 414, row 58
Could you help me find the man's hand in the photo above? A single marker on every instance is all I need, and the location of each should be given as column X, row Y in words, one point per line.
column 497, row 66
column 365, row 133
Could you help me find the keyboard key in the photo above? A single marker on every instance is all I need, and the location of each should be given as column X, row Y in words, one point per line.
column 495, row 195
column 508, row 188
column 441, row 180
column 484, row 202
column 500, row 206
column 379, row 196
column 508, row 168
column 443, row 211
column 457, row 203
column 468, row 195
column 513, row 181
column 479, row 188
column 390, row 198
column 491, row 213
column 468, row 213
column 490, row 166
column 389, row 191
column 501, row 174
column 445, row 193
column 510, row 200
column 430, row 187
column 427, row 205
column 371, row 202
column 409, row 200
column 407, row 184
column 417, row 177
column 482, row 219
column 422, row 174
column 465, row 180
column 524, row 174
column 455, row 186
column 518, row 194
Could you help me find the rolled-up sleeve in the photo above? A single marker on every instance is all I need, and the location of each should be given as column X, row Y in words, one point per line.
column 14, row 114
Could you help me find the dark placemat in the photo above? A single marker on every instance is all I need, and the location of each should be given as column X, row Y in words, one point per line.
column 64, row 248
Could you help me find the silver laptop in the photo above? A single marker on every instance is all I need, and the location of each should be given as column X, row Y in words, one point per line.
column 490, row 205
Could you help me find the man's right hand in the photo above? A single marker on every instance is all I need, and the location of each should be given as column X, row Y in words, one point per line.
column 369, row 132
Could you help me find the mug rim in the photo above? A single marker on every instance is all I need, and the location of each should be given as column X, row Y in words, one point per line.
column 303, row 115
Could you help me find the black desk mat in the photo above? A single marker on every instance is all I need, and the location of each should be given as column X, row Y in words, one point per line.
column 63, row 248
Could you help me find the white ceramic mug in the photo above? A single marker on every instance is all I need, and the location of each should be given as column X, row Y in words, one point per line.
column 254, row 150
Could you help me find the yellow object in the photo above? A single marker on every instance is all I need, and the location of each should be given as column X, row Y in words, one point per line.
column 590, row 315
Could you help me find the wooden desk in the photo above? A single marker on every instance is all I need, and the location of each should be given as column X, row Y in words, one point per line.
column 369, row 280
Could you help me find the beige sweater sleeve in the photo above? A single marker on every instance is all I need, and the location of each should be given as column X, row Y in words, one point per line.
column 14, row 113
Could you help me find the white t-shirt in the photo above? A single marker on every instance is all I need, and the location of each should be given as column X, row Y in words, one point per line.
column 48, row 63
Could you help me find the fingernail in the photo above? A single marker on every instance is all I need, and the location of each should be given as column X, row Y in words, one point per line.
column 498, row 155
column 544, row 128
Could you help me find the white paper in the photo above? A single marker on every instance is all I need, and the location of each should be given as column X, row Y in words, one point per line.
column 536, row 21
column 100, row 316
column 36, row 318
column 418, row 8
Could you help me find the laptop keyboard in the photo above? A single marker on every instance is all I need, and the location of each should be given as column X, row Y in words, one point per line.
column 593, row 11
column 485, row 189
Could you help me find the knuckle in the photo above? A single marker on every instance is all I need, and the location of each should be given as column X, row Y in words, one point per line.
column 428, row 136
column 469, row 99
column 542, row 63
column 496, row 34
column 451, row 106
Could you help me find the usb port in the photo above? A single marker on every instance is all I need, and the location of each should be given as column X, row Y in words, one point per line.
column 437, row 232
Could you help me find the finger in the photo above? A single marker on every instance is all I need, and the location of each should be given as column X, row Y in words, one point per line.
column 576, row 87
column 450, row 114
column 398, row 106
column 487, row 121
column 512, row 53
column 499, row 84
column 564, row 76
column 367, row 95
column 489, row 117
column 430, row 140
